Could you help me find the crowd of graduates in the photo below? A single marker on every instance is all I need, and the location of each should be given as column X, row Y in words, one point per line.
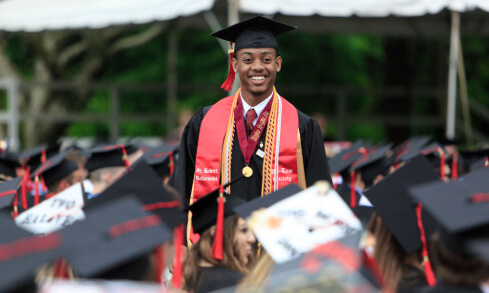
column 413, row 217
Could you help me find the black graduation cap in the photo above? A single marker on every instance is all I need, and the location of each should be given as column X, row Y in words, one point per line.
column 460, row 207
column 109, row 156
column 8, row 191
column 113, row 237
column 472, row 159
column 55, row 169
column 161, row 158
column 410, row 148
column 374, row 163
column 22, row 254
column 342, row 160
column 479, row 164
column 36, row 156
column 145, row 184
column 392, row 202
column 256, row 32
column 9, row 162
column 204, row 211
column 246, row 209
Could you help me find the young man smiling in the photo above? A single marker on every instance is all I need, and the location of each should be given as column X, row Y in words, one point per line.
column 256, row 132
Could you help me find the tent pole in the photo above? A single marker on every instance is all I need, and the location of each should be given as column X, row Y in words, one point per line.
column 452, row 75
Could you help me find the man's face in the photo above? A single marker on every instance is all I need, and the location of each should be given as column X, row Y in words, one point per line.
column 257, row 69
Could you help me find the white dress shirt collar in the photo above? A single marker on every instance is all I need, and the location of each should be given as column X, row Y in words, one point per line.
column 258, row 108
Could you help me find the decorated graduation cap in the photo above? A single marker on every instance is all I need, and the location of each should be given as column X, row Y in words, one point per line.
column 245, row 210
column 460, row 207
column 256, row 32
column 22, row 254
column 408, row 222
column 9, row 162
column 109, row 156
column 114, row 240
column 161, row 158
column 36, row 156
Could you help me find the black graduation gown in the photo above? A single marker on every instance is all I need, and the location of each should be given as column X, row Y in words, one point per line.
column 441, row 287
column 214, row 278
column 314, row 158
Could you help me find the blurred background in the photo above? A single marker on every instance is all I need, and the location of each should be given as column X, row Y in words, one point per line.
column 110, row 70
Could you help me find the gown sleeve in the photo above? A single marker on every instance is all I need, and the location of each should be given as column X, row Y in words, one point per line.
column 315, row 162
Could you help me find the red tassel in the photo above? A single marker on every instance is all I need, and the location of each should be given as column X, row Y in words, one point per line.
column 428, row 271
column 335, row 182
column 454, row 166
column 61, row 269
column 36, row 191
column 486, row 163
column 353, row 194
column 177, row 260
column 124, row 156
column 23, row 188
column 442, row 163
column 160, row 264
column 228, row 83
column 374, row 268
column 216, row 251
column 170, row 164
column 43, row 156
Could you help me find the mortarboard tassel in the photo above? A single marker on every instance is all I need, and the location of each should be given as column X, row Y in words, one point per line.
column 353, row 194
column 428, row 271
column 61, row 269
column 228, row 83
column 23, row 188
column 177, row 260
column 124, row 156
column 160, row 263
column 171, row 164
column 216, row 251
column 454, row 166
column 36, row 190
column 335, row 181
column 486, row 162
column 43, row 156
column 442, row 162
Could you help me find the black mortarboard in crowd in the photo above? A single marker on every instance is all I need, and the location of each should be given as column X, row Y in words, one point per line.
column 474, row 159
column 21, row 254
column 204, row 211
column 114, row 240
column 245, row 210
column 161, row 158
column 36, row 156
column 9, row 162
column 460, row 207
column 374, row 163
column 109, row 156
column 410, row 148
column 145, row 184
column 343, row 160
column 391, row 200
column 55, row 169
column 8, row 191
column 256, row 32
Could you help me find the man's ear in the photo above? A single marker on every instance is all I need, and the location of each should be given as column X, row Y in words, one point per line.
column 278, row 63
column 234, row 61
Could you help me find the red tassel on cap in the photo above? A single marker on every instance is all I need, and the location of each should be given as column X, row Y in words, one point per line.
column 124, row 156
column 61, row 269
column 177, row 260
column 216, row 251
column 36, row 191
column 43, row 156
column 454, row 166
column 160, row 264
column 23, row 188
column 171, row 164
column 335, row 181
column 428, row 271
column 228, row 83
column 353, row 194
column 486, row 163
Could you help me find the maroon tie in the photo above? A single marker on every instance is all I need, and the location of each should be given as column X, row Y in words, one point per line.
column 250, row 116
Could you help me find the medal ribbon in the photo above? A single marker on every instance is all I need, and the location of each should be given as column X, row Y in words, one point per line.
column 248, row 145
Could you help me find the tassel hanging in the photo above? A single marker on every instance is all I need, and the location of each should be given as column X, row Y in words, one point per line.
column 36, row 191
column 228, row 83
column 428, row 270
column 61, row 269
column 171, row 164
column 454, row 166
column 43, row 156
column 486, row 162
column 177, row 260
column 160, row 264
column 124, row 156
column 335, row 181
column 23, row 189
column 353, row 194
column 216, row 251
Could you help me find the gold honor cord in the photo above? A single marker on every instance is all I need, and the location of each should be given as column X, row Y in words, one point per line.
column 267, row 175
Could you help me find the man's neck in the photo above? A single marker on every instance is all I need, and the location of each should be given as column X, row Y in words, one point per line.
column 254, row 100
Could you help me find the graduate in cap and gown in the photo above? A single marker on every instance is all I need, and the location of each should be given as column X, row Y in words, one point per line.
column 254, row 132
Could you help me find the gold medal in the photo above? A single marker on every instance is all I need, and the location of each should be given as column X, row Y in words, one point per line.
column 247, row 171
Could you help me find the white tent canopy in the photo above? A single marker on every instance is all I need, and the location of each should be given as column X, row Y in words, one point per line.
column 37, row 15
column 362, row 8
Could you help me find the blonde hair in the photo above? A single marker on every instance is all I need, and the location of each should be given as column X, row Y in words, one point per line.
column 256, row 280
column 202, row 251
